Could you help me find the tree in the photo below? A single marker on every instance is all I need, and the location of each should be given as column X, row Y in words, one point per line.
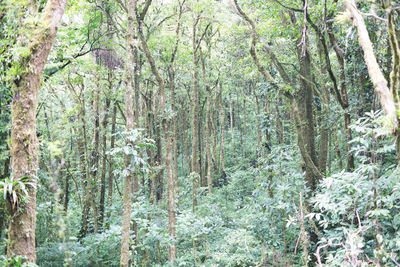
column 389, row 98
column 24, row 149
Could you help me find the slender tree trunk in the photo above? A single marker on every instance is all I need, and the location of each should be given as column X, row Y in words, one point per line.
column 195, row 123
column 258, row 124
column 208, row 145
column 344, row 97
column 84, row 166
column 104, row 161
column 174, row 135
column 200, row 153
column 279, row 126
column 208, row 126
column 6, row 173
column 186, row 143
column 244, row 126
column 175, row 159
column 129, row 126
column 268, row 115
column 231, row 121
column 338, row 153
column 159, row 182
column 222, row 125
column 136, row 80
column 66, row 189
column 324, row 126
column 214, row 129
column 95, row 158
column 110, row 167
column 330, row 153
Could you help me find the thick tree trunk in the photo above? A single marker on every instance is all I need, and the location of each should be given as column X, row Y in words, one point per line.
column 305, row 108
column 24, row 148
column 387, row 98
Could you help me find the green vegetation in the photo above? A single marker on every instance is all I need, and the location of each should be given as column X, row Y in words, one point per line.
column 199, row 133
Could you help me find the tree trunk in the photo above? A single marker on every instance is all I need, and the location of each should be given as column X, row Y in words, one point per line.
column 66, row 189
column 324, row 115
column 258, row 124
column 208, row 145
column 195, row 123
column 222, row 133
column 389, row 99
column 95, row 158
column 214, row 129
column 24, row 148
column 104, row 158
column 244, row 127
column 129, row 126
column 84, row 166
column 110, row 167
column 305, row 108
column 231, row 121
column 279, row 126
column 186, row 143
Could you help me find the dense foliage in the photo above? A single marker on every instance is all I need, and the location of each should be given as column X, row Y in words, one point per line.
column 242, row 133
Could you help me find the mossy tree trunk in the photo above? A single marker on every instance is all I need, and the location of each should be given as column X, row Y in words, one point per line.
column 24, row 149
column 389, row 97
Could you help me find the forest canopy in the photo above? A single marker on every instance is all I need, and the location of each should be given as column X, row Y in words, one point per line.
column 199, row 133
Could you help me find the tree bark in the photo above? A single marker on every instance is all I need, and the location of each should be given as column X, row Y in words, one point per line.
column 386, row 97
column 104, row 161
column 127, row 206
column 95, row 158
column 222, row 128
column 186, row 143
column 110, row 167
column 305, row 107
column 24, row 148
column 208, row 129
column 231, row 123
column 195, row 123
column 279, row 126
